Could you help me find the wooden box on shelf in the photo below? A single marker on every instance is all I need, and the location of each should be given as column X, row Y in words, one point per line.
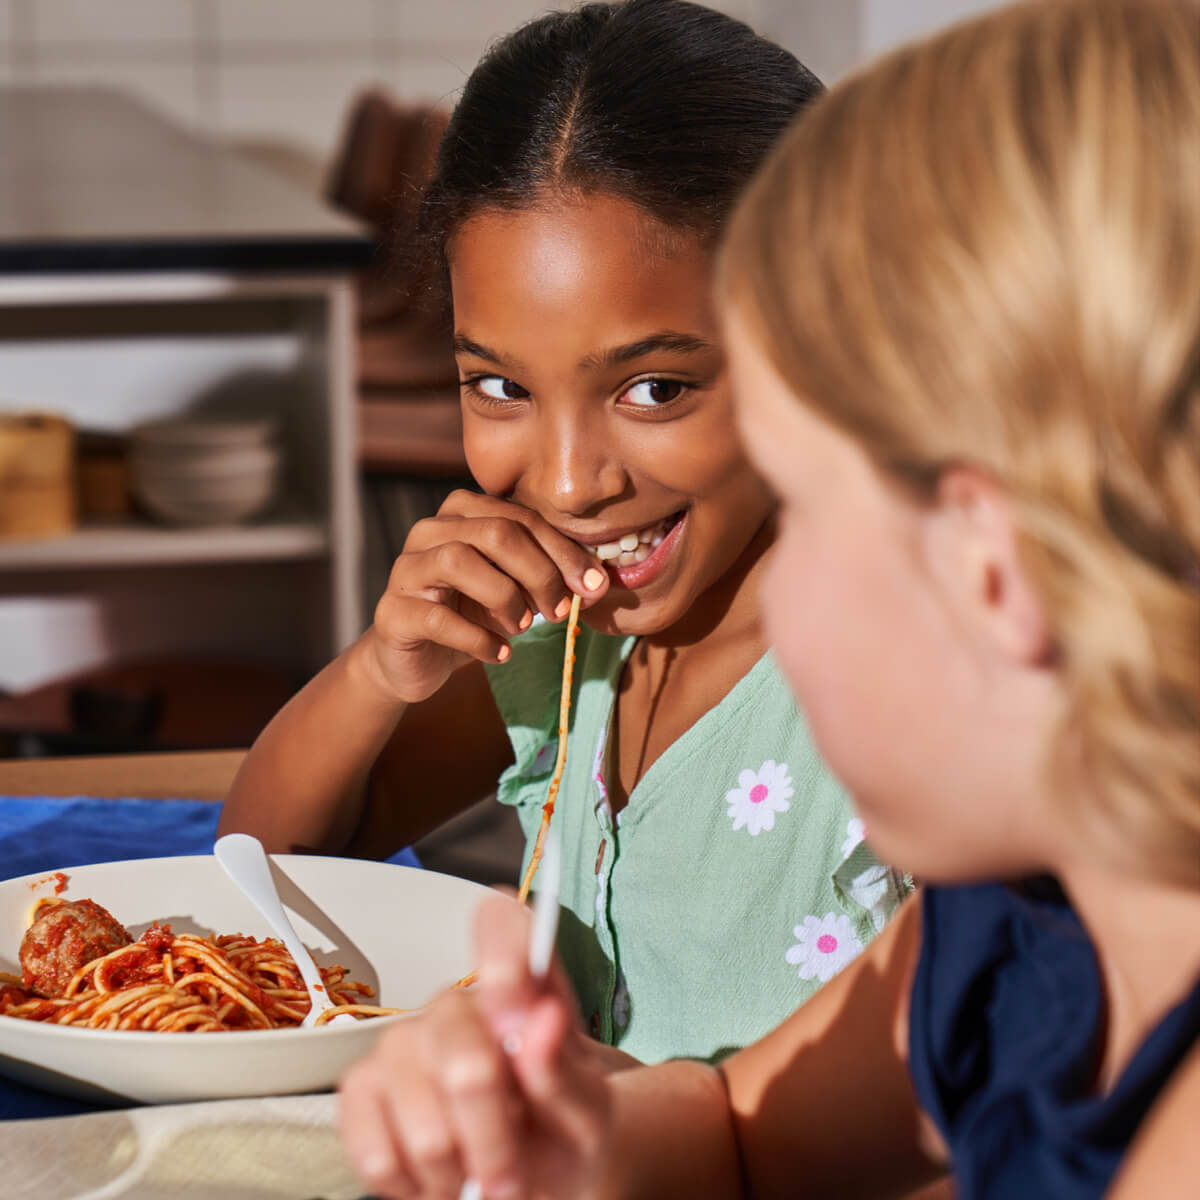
column 37, row 475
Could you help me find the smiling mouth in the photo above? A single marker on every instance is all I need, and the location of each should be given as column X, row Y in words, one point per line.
column 636, row 546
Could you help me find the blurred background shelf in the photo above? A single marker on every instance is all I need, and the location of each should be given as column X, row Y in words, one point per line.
column 148, row 274
column 143, row 544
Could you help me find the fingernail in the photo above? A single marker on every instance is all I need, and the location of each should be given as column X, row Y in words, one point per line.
column 564, row 607
column 593, row 577
column 511, row 1044
column 504, row 1189
column 525, row 621
column 504, row 653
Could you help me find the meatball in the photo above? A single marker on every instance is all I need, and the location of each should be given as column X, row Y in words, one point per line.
column 65, row 937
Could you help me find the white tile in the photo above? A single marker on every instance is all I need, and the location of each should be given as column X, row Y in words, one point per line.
column 478, row 20
column 304, row 104
column 282, row 22
column 743, row 10
column 827, row 38
column 117, row 22
column 887, row 23
column 168, row 88
column 438, row 78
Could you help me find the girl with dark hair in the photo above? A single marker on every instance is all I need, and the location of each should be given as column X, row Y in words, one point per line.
column 714, row 874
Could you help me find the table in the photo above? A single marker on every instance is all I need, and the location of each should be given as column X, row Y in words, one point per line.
column 42, row 833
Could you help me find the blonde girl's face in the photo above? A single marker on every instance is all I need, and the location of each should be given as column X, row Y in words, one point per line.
column 927, row 720
column 595, row 393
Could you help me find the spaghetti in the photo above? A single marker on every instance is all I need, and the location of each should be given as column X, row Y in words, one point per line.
column 560, row 759
column 564, row 713
column 175, row 983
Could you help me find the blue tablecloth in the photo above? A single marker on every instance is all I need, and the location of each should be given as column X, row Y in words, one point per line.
column 45, row 833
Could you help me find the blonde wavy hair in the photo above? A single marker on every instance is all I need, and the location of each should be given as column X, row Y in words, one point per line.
column 985, row 250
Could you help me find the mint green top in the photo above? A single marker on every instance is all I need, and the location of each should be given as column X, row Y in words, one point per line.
column 733, row 884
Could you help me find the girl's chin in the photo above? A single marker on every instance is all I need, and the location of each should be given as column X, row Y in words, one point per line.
column 623, row 614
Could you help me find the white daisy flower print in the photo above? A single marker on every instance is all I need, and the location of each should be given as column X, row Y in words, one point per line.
column 759, row 796
column 824, row 945
column 855, row 834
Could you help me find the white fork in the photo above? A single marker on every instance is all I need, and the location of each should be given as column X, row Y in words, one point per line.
column 541, row 941
column 245, row 862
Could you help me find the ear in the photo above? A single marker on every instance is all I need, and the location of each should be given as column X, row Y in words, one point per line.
column 974, row 544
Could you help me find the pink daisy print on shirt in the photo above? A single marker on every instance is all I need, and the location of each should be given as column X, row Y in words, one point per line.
column 824, row 945
column 759, row 796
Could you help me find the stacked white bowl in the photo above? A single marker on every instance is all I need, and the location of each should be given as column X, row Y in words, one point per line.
column 205, row 471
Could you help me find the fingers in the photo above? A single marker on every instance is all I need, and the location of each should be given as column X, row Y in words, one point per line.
column 506, row 987
column 403, row 620
column 534, row 1021
column 455, row 566
column 570, row 1097
column 482, row 1100
column 436, row 1102
column 470, row 579
column 368, row 1131
column 495, row 528
column 446, row 1096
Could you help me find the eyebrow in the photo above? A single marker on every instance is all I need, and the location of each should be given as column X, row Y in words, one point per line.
column 664, row 342
column 465, row 345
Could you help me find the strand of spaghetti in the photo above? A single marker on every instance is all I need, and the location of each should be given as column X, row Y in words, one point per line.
column 564, row 713
column 366, row 1010
column 560, row 759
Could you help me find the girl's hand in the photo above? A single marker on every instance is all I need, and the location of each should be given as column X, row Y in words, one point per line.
column 495, row 1084
column 468, row 579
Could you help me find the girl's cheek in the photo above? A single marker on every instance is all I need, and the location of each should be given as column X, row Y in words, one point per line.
column 493, row 459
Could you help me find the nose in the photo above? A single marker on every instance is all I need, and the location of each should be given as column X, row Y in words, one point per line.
column 577, row 470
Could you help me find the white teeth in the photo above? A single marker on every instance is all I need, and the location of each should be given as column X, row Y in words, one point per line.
column 632, row 548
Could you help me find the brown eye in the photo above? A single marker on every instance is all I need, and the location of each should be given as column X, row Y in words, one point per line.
column 496, row 387
column 653, row 393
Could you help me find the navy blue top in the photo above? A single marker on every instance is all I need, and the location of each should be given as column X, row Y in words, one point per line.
column 1007, row 1017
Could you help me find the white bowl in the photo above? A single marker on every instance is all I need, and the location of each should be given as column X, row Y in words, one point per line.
column 209, row 463
column 176, row 435
column 217, row 504
column 235, row 489
column 404, row 931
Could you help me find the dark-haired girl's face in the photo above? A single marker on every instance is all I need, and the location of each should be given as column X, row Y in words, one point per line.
column 595, row 393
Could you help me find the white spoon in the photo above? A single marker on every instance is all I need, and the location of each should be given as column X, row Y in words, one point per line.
column 541, row 944
column 245, row 862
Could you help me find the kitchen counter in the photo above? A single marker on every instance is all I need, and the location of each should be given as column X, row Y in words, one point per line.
column 91, row 180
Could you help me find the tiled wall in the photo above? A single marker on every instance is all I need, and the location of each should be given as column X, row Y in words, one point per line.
column 260, row 70
column 285, row 71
